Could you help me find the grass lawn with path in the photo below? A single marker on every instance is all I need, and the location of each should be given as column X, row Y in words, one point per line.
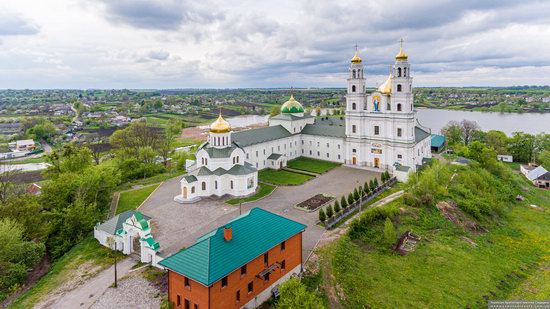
column 264, row 190
column 132, row 199
column 282, row 178
column 312, row 165
column 450, row 267
column 88, row 252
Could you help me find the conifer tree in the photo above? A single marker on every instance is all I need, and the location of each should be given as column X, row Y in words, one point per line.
column 330, row 213
column 322, row 216
column 355, row 194
column 350, row 199
column 343, row 202
column 336, row 208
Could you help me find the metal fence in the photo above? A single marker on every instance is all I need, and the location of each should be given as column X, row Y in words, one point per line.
column 331, row 222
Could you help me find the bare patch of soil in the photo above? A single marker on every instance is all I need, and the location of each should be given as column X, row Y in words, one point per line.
column 315, row 202
column 454, row 214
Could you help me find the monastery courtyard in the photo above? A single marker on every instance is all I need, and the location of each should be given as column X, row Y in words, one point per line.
column 177, row 226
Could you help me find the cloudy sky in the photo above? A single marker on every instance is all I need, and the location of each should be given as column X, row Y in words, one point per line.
column 248, row 43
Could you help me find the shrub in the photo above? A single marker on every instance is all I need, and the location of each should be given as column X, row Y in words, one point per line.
column 390, row 234
column 330, row 213
column 336, row 208
column 322, row 216
column 294, row 294
column 355, row 194
column 343, row 202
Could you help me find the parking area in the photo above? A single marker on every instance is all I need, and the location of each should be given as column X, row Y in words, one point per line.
column 176, row 226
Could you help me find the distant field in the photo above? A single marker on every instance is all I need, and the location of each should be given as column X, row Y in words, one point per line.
column 282, row 178
column 312, row 165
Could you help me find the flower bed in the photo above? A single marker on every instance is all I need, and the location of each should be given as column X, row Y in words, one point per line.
column 315, row 202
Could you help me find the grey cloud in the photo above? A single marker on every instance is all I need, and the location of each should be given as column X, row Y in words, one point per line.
column 13, row 24
column 160, row 15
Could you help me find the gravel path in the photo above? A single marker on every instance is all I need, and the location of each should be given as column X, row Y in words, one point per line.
column 132, row 292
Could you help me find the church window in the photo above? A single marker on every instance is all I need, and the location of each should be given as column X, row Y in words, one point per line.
column 205, row 161
column 353, row 129
column 216, row 184
column 399, row 156
column 399, row 107
column 310, row 152
column 398, row 72
column 302, row 142
column 302, row 151
column 338, row 146
column 231, row 184
column 256, row 153
column 193, row 189
column 399, row 132
column 353, row 106
column 353, row 74
column 318, row 153
column 328, row 145
column 247, row 156
column 327, row 155
column 203, row 185
column 399, row 88
column 338, row 157
column 353, row 88
column 354, row 150
column 404, row 72
column 264, row 151
column 388, row 106
column 376, row 130
column 318, row 144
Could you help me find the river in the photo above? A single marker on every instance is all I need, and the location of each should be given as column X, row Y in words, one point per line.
column 435, row 119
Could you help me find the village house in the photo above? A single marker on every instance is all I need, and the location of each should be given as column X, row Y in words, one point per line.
column 23, row 145
column 532, row 172
column 238, row 265
column 543, row 181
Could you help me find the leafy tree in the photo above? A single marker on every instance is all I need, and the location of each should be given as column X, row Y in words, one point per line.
column 469, row 128
column 26, row 210
column 544, row 159
column 498, row 141
column 295, row 295
column 134, row 137
column 390, row 234
column 322, row 215
column 336, row 208
column 44, row 130
column 275, row 110
column 521, row 146
column 453, row 133
column 330, row 212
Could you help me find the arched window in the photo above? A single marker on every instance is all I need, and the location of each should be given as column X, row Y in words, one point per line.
column 399, row 107
column 353, row 74
column 231, row 184
column 216, row 184
column 205, row 161
column 203, row 185
column 353, row 106
column 399, row 88
column 358, row 73
column 398, row 72
column 353, row 88
column 193, row 189
column 405, row 72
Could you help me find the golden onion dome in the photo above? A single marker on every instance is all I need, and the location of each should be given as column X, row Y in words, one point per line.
column 401, row 55
column 220, row 125
column 356, row 58
column 292, row 106
column 386, row 86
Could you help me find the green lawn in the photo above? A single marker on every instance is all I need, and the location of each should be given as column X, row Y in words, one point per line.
column 87, row 251
column 312, row 165
column 511, row 261
column 282, row 178
column 264, row 190
column 29, row 160
column 132, row 199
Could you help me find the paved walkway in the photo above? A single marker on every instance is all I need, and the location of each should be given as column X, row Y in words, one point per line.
column 176, row 226
column 88, row 293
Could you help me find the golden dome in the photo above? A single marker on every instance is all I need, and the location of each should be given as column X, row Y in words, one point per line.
column 220, row 125
column 292, row 106
column 401, row 55
column 356, row 58
column 386, row 86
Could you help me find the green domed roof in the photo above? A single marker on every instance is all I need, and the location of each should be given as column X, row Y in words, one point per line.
column 292, row 106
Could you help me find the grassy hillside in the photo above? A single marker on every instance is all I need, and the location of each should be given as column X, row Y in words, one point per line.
column 498, row 249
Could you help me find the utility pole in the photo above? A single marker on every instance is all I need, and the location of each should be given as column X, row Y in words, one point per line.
column 115, row 267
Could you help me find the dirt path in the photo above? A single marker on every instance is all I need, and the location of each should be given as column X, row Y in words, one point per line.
column 84, row 295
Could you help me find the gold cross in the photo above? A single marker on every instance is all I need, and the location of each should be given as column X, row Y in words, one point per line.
column 401, row 41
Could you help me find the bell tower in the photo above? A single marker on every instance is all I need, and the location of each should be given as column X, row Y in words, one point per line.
column 402, row 97
column 355, row 97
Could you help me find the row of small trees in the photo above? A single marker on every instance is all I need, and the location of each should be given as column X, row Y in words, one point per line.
column 367, row 188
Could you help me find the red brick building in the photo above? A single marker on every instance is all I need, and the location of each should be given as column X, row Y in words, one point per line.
column 237, row 265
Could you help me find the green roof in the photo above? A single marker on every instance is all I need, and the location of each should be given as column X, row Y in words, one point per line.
column 324, row 130
column 218, row 152
column 420, row 134
column 113, row 225
column 152, row 243
column 438, row 140
column 141, row 220
column 190, row 178
column 274, row 156
column 212, row 258
column 260, row 135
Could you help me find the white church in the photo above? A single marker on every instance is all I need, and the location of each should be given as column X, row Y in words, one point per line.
column 379, row 132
